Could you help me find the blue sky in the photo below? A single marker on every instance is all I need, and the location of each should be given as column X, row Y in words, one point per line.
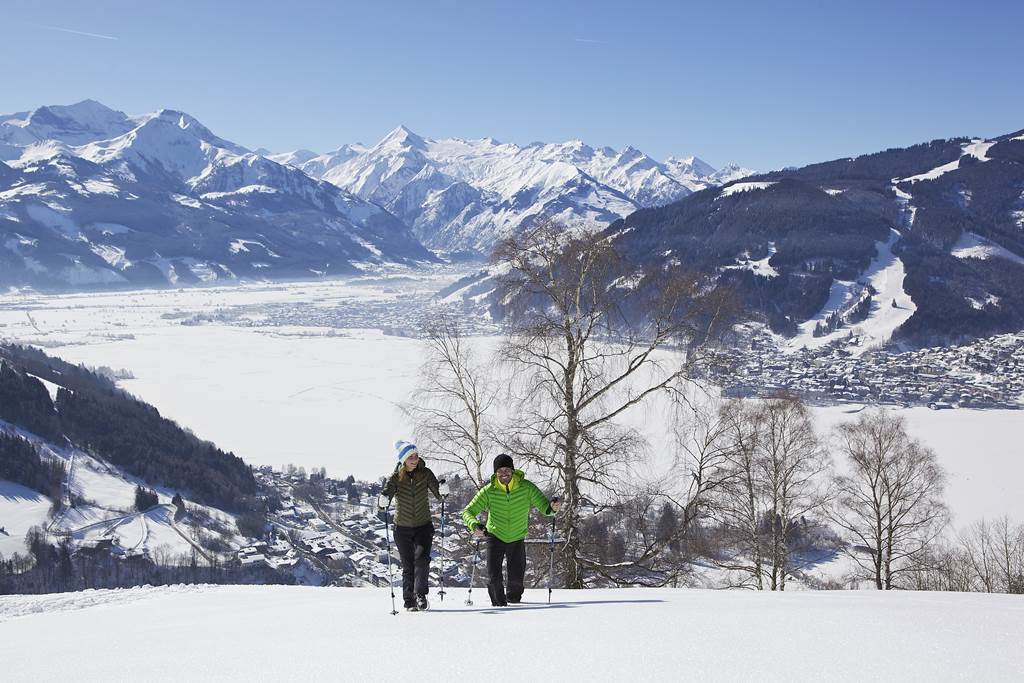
column 765, row 84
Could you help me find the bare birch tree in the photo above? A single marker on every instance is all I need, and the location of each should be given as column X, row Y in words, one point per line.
column 740, row 502
column 453, row 403
column 586, row 344
column 890, row 500
column 776, row 478
column 793, row 466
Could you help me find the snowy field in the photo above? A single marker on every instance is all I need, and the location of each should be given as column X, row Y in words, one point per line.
column 21, row 509
column 296, row 373
column 241, row 633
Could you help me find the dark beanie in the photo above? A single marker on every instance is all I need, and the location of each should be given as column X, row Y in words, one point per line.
column 503, row 460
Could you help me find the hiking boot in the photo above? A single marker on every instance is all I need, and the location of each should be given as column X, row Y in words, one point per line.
column 410, row 606
column 421, row 603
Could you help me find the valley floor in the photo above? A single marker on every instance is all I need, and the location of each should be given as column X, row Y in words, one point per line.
column 227, row 633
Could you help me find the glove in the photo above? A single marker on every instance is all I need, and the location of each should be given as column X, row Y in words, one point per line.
column 383, row 502
column 442, row 487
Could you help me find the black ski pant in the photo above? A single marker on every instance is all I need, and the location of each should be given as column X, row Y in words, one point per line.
column 497, row 551
column 414, row 548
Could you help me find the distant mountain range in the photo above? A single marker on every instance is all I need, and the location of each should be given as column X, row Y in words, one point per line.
column 463, row 194
column 90, row 196
column 922, row 245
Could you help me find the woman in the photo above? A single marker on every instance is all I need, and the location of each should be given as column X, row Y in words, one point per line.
column 414, row 532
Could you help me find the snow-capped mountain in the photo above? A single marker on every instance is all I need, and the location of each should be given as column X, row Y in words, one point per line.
column 922, row 244
column 76, row 124
column 464, row 194
column 91, row 196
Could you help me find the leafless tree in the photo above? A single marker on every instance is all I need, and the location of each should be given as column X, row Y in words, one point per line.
column 793, row 465
column 941, row 567
column 1008, row 542
column 890, row 500
column 588, row 340
column 701, row 432
column 454, row 401
column 739, row 504
column 993, row 553
column 776, row 478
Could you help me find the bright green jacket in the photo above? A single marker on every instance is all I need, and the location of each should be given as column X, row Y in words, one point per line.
column 508, row 508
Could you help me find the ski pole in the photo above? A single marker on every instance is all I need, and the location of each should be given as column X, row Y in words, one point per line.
column 387, row 535
column 443, row 490
column 551, row 553
column 472, row 578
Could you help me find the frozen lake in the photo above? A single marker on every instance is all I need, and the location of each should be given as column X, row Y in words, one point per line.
column 302, row 373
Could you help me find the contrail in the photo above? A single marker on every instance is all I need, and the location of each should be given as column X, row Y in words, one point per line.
column 588, row 40
column 79, row 33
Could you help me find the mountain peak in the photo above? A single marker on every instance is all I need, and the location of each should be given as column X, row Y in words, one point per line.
column 691, row 164
column 402, row 136
column 629, row 153
column 91, row 106
column 87, row 114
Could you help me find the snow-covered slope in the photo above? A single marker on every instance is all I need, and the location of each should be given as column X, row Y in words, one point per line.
column 90, row 196
column 21, row 509
column 465, row 194
column 975, row 246
column 241, row 633
column 103, row 500
column 890, row 305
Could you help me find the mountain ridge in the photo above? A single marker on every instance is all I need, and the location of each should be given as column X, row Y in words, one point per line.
column 956, row 204
column 503, row 185
column 158, row 199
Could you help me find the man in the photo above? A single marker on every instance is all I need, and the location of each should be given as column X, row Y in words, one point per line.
column 506, row 499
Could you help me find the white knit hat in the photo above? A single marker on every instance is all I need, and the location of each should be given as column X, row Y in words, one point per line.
column 403, row 449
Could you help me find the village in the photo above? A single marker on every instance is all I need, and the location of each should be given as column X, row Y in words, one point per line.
column 986, row 373
column 329, row 532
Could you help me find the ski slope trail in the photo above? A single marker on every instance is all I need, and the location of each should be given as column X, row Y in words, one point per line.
column 241, row 633
column 891, row 306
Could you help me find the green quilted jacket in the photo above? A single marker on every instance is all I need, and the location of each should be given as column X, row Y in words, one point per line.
column 412, row 507
column 508, row 508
